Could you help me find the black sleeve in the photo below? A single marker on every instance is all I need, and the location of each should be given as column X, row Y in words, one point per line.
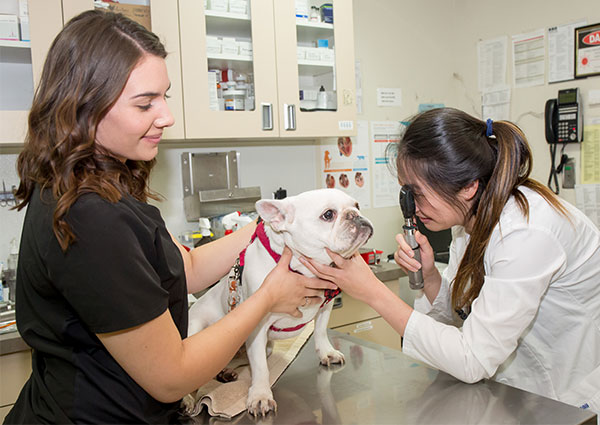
column 107, row 274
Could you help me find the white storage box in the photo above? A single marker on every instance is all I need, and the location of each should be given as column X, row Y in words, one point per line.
column 313, row 54
column 9, row 27
column 24, row 26
column 218, row 5
column 245, row 48
column 23, row 8
column 229, row 46
column 327, row 55
column 213, row 44
column 239, row 7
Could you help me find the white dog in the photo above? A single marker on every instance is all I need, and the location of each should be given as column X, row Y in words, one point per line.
column 306, row 223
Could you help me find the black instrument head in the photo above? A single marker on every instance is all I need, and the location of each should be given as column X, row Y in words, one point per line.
column 407, row 202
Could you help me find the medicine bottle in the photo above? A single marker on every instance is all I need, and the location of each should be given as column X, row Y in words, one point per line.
column 315, row 16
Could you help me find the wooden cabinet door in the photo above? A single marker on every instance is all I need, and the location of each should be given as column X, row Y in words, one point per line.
column 202, row 122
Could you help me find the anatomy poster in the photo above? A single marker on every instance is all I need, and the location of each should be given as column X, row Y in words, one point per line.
column 345, row 165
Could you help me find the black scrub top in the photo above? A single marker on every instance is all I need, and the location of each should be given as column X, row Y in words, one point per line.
column 123, row 270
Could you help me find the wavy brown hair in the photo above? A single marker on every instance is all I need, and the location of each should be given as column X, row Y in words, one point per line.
column 448, row 149
column 85, row 71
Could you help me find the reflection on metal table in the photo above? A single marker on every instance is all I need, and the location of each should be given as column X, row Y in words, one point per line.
column 378, row 385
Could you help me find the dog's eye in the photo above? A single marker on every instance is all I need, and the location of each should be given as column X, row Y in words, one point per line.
column 357, row 206
column 328, row 215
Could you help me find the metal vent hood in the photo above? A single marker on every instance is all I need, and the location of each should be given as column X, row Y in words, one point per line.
column 211, row 185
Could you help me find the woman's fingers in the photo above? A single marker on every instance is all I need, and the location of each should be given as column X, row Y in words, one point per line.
column 337, row 258
column 286, row 257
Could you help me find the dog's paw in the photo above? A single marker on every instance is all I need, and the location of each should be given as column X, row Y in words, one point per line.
column 227, row 375
column 330, row 357
column 260, row 402
column 188, row 405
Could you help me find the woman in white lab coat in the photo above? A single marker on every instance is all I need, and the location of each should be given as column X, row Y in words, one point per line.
column 520, row 299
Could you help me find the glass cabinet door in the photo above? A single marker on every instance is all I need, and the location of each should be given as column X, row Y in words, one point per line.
column 16, row 71
column 229, row 53
column 315, row 68
column 228, row 68
column 316, row 55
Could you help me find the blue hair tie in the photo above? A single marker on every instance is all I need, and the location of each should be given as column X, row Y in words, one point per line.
column 488, row 131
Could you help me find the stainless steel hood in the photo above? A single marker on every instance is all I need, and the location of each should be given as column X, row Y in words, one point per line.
column 211, row 185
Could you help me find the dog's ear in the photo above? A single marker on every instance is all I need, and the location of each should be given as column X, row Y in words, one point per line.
column 276, row 212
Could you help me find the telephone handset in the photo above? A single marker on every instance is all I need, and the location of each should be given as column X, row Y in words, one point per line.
column 563, row 117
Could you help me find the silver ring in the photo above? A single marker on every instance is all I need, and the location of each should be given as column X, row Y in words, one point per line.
column 305, row 302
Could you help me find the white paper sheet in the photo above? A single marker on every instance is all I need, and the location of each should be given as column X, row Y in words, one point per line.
column 590, row 154
column 385, row 183
column 491, row 56
column 561, row 48
column 588, row 200
column 495, row 104
column 529, row 62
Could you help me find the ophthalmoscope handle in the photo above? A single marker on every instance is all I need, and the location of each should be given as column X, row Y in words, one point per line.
column 415, row 279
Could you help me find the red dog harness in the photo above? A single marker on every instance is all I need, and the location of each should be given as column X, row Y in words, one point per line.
column 235, row 276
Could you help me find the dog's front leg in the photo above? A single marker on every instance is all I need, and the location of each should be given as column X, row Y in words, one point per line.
column 325, row 351
column 260, row 397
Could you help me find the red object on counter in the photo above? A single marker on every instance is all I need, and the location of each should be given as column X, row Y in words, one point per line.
column 372, row 256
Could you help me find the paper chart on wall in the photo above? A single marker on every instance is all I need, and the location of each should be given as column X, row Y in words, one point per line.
column 344, row 165
column 590, row 154
column 491, row 56
column 495, row 104
column 588, row 200
column 385, row 183
column 561, row 47
column 529, row 59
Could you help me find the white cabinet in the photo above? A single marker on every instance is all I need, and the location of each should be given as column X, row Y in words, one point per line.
column 272, row 75
column 47, row 18
column 20, row 67
column 276, row 53
column 15, row 369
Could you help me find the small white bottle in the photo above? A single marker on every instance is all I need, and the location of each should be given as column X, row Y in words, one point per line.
column 322, row 98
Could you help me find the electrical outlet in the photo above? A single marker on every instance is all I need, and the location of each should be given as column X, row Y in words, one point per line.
column 569, row 174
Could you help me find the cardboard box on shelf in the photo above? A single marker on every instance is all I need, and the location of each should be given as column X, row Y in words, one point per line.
column 138, row 13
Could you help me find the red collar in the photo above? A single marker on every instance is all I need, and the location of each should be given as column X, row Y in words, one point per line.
column 264, row 240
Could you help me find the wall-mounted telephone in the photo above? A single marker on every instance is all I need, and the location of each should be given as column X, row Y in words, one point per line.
column 564, row 117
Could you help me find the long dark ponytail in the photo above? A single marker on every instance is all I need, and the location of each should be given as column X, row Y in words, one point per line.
column 448, row 149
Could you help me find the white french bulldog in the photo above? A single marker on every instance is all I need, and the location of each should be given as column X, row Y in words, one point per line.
column 307, row 224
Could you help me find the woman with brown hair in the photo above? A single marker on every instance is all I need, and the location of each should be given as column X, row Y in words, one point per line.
column 101, row 284
column 520, row 299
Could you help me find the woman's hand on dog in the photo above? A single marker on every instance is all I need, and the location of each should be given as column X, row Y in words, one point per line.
column 352, row 275
column 288, row 290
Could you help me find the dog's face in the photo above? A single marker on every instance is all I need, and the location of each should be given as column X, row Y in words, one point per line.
column 316, row 219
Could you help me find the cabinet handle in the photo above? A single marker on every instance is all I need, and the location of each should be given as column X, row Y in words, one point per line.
column 289, row 114
column 267, row 116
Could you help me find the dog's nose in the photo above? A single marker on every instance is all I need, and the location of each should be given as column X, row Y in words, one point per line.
column 351, row 215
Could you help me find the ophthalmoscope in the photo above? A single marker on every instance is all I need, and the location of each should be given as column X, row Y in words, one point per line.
column 407, row 204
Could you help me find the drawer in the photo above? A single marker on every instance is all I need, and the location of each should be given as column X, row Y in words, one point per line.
column 15, row 369
column 375, row 330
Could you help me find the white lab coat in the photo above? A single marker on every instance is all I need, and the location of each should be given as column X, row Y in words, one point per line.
column 536, row 322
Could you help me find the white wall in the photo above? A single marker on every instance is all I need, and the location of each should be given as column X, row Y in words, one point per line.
column 402, row 44
column 480, row 20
